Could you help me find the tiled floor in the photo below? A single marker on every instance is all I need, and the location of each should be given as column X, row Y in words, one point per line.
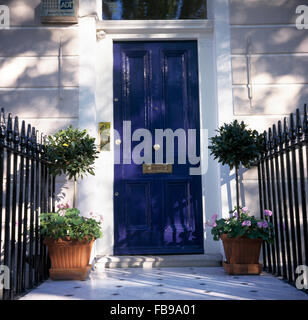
column 167, row 284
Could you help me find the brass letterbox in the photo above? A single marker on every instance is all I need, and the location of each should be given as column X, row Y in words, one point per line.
column 153, row 168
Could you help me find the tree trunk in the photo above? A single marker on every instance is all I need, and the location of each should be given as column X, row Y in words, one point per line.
column 75, row 193
column 237, row 190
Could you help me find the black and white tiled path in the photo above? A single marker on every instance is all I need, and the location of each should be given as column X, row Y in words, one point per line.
column 206, row 283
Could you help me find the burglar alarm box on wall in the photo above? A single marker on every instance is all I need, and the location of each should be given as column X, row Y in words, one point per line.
column 59, row 11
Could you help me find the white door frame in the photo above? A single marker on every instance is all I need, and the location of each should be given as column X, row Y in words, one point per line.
column 100, row 188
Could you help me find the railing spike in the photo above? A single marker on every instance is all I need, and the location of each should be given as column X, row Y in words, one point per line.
column 305, row 122
column 9, row 122
column 265, row 141
column 16, row 125
column 33, row 133
column 286, row 130
column 299, row 128
column 37, row 141
column 23, row 139
column 270, row 139
column 275, row 137
column 29, row 141
column 2, row 125
column 33, row 140
column 9, row 130
column 292, row 132
column 29, row 131
column 280, row 135
column 279, row 129
column 16, row 133
column 2, row 117
column 23, row 128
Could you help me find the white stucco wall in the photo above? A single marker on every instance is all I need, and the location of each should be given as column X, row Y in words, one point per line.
column 39, row 73
column 53, row 76
column 278, row 62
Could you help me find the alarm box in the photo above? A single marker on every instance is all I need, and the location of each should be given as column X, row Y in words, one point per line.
column 59, row 11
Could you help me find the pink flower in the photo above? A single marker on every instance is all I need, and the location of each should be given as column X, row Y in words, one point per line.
column 268, row 213
column 263, row 224
column 260, row 224
column 211, row 224
column 62, row 213
column 213, row 218
column 245, row 210
column 213, row 221
column 62, row 206
column 96, row 217
column 246, row 223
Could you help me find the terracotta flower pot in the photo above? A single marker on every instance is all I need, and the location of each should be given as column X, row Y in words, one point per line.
column 241, row 250
column 69, row 258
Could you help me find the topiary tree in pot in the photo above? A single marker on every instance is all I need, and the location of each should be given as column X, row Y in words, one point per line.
column 68, row 235
column 71, row 152
column 241, row 234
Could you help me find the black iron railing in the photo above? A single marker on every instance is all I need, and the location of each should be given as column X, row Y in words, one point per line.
column 283, row 187
column 26, row 189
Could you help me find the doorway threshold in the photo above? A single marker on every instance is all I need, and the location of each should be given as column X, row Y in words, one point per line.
column 158, row 261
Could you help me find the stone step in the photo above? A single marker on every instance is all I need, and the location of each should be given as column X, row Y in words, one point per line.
column 159, row 261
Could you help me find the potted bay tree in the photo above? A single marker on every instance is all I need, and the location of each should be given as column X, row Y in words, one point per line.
column 241, row 234
column 68, row 235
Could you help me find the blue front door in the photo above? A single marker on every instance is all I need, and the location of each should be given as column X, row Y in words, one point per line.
column 156, row 87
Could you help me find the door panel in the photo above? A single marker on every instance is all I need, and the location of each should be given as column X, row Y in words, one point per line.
column 174, row 85
column 138, row 206
column 156, row 87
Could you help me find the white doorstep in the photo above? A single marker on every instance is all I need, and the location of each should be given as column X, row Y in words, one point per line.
column 159, row 261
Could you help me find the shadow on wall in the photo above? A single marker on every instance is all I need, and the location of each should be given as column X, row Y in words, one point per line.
column 40, row 68
column 277, row 60
column 39, row 73
column 275, row 54
column 228, row 181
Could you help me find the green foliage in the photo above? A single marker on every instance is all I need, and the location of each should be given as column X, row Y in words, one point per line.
column 236, row 144
column 68, row 224
column 243, row 225
column 71, row 152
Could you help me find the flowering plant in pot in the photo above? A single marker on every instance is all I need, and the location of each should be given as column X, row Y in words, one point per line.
column 69, row 237
column 242, row 235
